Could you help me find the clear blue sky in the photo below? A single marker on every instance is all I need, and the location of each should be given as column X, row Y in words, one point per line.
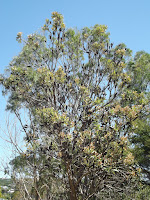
column 128, row 21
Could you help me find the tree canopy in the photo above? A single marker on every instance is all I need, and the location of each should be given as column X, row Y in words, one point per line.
column 139, row 69
column 76, row 88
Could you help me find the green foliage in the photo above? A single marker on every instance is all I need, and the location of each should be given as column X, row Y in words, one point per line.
column 5, row 182
column 16, row 195
column 76, row 89
column 4, row 193
column 139, row 70
column 1, row 193
column 141, row 140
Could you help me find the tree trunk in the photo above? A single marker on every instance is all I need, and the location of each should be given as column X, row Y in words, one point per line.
column 37, row 197
column 73, row 193
column 36, row 185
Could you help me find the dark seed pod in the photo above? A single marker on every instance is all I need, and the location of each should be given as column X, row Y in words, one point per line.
column 41, row 148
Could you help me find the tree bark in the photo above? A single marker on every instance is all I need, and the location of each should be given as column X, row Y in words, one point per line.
column 73, row 193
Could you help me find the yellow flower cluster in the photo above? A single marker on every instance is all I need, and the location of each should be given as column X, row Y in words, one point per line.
column 19, row 34
column 120, row 51
column 60, row 75
column 129, row 159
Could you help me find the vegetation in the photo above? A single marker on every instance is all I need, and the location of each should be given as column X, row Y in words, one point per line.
column 5, row 186
column 5, row 182
column 139, row 69
column 83, row 111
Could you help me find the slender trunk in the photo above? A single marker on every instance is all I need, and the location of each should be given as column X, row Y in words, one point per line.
column 36, row 188
column 73, row 193
column 37, row 197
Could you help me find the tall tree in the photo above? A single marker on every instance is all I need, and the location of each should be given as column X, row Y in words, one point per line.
column 139, row 69
column 75, row 89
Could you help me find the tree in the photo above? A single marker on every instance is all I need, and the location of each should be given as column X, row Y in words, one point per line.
column 75, row 89
column 139, row 68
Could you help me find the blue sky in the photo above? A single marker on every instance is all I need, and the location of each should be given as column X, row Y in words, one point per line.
column 128, row 21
